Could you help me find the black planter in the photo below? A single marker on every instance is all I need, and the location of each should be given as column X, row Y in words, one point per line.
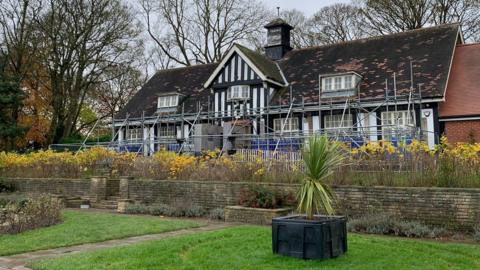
column 324, row 237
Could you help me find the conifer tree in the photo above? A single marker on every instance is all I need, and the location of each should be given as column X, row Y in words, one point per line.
column 11, row 100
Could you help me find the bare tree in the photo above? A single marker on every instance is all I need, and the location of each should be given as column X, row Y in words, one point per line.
column 17, row 33
column 300, row 35
column 80, row 41
column 391, row 16
column 466, row 12
column 336, row 23
column 120, row 85
column 200, row 31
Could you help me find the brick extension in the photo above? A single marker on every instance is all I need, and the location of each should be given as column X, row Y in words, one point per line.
column 463, row 131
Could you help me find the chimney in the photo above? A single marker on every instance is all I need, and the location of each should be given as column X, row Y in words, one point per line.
column 278, row 39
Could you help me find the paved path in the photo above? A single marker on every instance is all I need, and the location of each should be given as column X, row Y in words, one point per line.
column 18, row 261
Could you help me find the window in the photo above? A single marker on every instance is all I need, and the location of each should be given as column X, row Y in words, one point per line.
column 395, row 124
column 134, row 134
column 167, row 101
column 328, row 84
column 338, row 83
column 238, row 92
column 290, row 125
column 335, row 121
column 166, row 131
column 348, row 82
column 334, row 83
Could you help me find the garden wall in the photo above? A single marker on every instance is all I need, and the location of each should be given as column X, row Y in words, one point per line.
column 444, row 206
column 453, row 207
column 67, row 187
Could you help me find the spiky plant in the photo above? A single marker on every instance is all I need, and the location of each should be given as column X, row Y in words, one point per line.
column 321, row 157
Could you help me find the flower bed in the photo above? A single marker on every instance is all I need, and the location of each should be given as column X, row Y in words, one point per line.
column 373, row 164
column 20, row 216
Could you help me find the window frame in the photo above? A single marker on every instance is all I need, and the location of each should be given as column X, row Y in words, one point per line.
column 333, row 121
column 389, row 125
column 167, row 131
column 238, row 92
column 332, row 83
column 167, row 101
column 138, row 134
column 291, row 126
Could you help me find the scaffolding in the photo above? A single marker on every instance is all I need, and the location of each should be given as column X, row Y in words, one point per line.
column 368, row 125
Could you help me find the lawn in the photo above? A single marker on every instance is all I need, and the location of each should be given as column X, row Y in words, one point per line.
column 249, row 247
column 87, row 227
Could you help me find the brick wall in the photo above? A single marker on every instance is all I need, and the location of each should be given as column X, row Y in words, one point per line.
column 67, row 187
column 444, row 206
column 254, row 215
column 462, row 131
column 206, row 194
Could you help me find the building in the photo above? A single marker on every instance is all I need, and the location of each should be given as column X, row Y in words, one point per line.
column 460, row 113
column 381, row 88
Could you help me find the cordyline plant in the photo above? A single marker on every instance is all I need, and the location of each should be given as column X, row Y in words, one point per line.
column 321, row 157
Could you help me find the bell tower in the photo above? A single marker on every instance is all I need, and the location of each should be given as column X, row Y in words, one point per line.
column 278, row 39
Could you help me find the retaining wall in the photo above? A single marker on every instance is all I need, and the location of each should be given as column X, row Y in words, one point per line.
column 453, row 207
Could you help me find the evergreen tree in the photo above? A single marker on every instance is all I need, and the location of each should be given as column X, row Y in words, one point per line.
column 11, row 100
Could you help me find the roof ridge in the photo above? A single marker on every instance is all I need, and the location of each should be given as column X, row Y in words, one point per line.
column 378, row 36
column 185, row 67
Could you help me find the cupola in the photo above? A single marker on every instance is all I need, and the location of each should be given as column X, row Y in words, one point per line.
column 278, row 39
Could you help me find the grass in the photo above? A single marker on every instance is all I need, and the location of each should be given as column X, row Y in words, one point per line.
column 87, row 227
column 249, row 247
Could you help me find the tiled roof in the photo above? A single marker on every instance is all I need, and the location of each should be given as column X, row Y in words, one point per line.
column 463, row 91
column 187, row 81
column 278, row 22
column 376, row 59
column 266, row 66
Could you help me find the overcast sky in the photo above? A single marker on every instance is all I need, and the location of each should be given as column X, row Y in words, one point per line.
column 307, row 6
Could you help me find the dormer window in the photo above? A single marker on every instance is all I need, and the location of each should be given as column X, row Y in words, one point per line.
column 167, row 101
column 238, row 92
column 339, row 85
column 335, row 83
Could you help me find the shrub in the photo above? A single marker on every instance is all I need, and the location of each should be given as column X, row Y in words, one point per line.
column 412, row 229
column 35, row 213
column 217, row 214
column 160, row 210
column 380, row 223
column 372, row 223
column 6, row 187
column 194, row 211
column 12, row 198
column 260, row 197
column 137, row 209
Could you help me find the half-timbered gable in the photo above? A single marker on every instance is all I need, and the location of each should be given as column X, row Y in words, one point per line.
column 244, row 83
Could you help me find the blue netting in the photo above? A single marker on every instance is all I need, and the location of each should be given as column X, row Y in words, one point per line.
column 130, row 148
column 270, row 144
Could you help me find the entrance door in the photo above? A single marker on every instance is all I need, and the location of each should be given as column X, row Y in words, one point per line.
column 428, row 131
